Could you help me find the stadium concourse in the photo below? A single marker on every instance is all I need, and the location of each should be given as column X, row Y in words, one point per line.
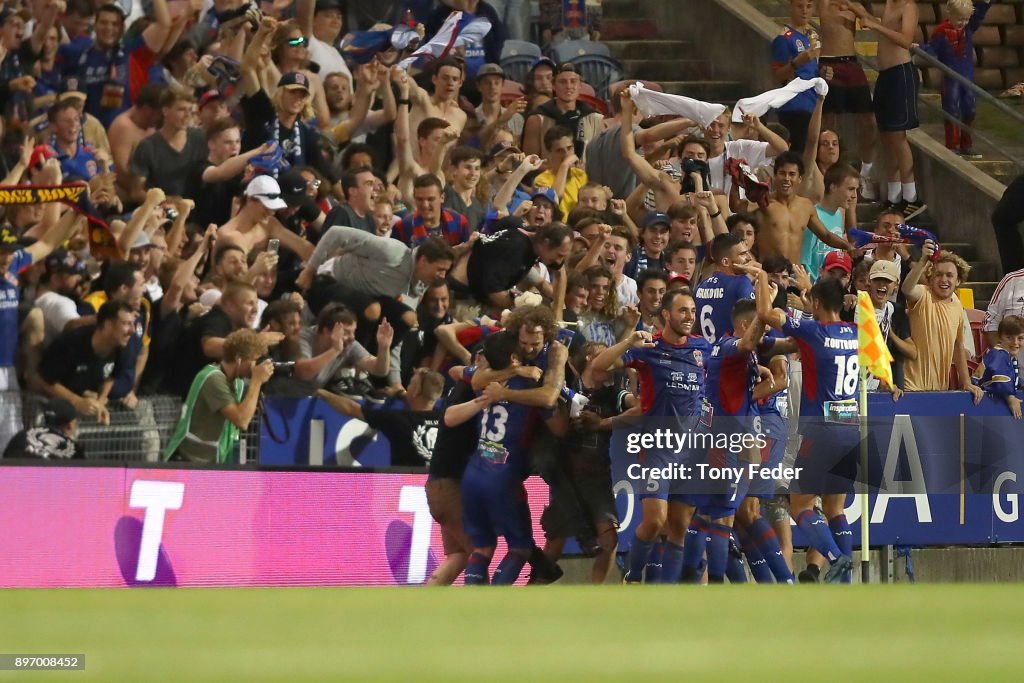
column 418, row 252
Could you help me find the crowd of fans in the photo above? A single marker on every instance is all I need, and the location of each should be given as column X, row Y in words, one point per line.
column 276, row 197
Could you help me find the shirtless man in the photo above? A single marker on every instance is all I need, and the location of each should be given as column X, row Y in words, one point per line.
column 424, row 154
column 255, row 222
column 848, row 91
column 783, row 222
column 130, row 127
column 895, row 96
column 449, row 75
column 820, row 153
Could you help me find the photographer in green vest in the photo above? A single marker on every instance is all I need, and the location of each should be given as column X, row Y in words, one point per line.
column 216, row 408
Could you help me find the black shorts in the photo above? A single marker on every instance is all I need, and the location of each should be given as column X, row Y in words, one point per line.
column 896, row 99
column 848, row 90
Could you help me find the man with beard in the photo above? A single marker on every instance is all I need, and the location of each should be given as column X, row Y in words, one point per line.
column 489, row 272
column 58, row 298
column 661, row 360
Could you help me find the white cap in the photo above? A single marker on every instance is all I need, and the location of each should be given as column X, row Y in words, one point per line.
column 266, row 189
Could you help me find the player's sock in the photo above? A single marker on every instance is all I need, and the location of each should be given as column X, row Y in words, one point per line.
column 639, row 552
column 763, row 536
column 909, row 192
column 476, row 570
column 694, row 546
column 508, row 569
column 894, row 192
column 843, row 536
column 815, row 528
column 735, row 570
column 653, row 570
column 755, row 559
column 718, row 552
column 865, row 170
column 671, row 562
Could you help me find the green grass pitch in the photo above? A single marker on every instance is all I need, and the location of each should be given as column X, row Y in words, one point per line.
column 553, row 633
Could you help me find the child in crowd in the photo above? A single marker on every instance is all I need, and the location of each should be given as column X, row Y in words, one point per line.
column 952, row 43
column 999, row 373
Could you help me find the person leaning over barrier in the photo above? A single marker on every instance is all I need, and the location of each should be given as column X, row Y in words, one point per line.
column 216, row 409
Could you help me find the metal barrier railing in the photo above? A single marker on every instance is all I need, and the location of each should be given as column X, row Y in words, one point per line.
column 138, row 435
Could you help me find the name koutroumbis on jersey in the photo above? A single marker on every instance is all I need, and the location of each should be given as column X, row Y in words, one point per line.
column 677, row 442
column 706, row 472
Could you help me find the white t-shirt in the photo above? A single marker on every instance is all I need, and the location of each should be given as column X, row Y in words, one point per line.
column 626, row 292
column 58, row 311
column 755, row 153
column 1008, row 299
column 328, row 58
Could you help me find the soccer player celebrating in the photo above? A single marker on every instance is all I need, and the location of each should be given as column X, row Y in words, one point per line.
column 493, row 497
column 671, row 368
column 828, row 419
column 716, row 295
column 736, row 382
column 732, row 375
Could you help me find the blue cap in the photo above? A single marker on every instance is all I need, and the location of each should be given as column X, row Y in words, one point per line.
column 656, row 218
column 545, row 192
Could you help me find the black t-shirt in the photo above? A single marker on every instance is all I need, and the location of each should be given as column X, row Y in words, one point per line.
column 213, row 200
column 71, row 361
column 42, row 442
column 343, row 214
column 261, row 124
column 165, row 334
column 412, row 433
column 454, row 445
column 499, row 262
column 191, row 358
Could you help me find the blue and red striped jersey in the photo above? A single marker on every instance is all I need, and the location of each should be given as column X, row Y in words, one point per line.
column 732, row 375
column 831, row 368
column 672, row 376
column 454, row 229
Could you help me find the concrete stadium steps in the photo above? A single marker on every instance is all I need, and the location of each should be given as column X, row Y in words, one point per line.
column 669, row 69
column 648, row 55
column 616, row 10
column 999, row 42
column 630, row 50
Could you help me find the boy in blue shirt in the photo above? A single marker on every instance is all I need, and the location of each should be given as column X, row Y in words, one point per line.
column 999, row 372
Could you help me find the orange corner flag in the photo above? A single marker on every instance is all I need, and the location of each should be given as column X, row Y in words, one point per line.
column 874, row 354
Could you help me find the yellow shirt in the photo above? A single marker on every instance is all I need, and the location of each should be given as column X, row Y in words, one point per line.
column 574, row 181
column 934, row 326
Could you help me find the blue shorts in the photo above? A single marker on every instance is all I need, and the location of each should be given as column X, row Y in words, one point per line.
column 494, row 505
column 775, row 429
column 828, row 458
column 721, row 505
column 657, row 487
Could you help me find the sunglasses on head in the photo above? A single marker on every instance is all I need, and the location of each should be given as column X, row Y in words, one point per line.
column 269, row 195
column 298, row 42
